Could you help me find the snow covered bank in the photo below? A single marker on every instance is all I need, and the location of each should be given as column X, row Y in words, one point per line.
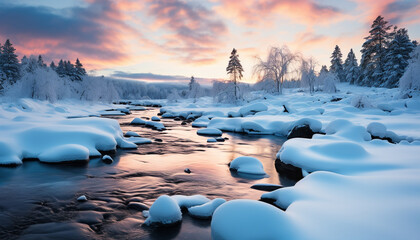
column 39, row 130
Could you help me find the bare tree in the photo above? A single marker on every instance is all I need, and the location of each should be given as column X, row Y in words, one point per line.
column 277, row 65
column 307, row 70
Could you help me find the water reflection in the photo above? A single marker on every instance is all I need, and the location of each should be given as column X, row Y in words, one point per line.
column 39, row 193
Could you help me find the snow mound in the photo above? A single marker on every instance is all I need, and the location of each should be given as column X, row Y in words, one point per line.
column 164, row 210
column 189, row 201
column 206, row 210
column 252, row 109
column 9, row 154
column 250, row 219
column 249, row 165
column 138, row 121
column 155, row 118
column 211, row 140
column 65, row 153
column 209, row 132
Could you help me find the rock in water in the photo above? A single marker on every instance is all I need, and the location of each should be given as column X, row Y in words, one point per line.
column 301, row 131
column 211, row 140
column 155, row 118
column 107, row 159
column 164, row 211
column 82, row 198
column 187, row 170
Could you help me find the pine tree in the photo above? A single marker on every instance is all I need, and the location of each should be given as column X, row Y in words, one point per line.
column 80, row 71
column 373, row 53
column 337, row 64
column 397, row 57
column 324, row 70
column 41, row 62
column 191, row 83
column 53, row 66
column 9, row 62
column 61, row 71
column 351, row 68
column 235, row 69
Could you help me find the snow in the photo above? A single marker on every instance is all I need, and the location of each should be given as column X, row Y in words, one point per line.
column 164, row 210
column 139, row 140
column 209, row 132
column 131, row 134
column 82, row 198
column 155, row 118
column 189, row 201
column 138, row 121
column 40, row 130
column 249, row 165
column 206, row 210
column 211, row 140
column 249, row 219
column 64, row 153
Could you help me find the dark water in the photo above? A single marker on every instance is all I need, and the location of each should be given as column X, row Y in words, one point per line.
column 38, row 201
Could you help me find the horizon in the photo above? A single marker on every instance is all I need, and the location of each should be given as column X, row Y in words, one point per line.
column 190, row 38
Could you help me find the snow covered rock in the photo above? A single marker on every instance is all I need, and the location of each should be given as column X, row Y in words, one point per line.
column 209, row 132
column 138, row 121
column 189, row 201
column 131, row 134
column 206, row 210
column 9, row 154
column 301, row 131
column 155, row 118
column 266, row 186
column 107, row 159
column 139, row 140
column 249, row 220
column 164, row 210
column 82, row 198
column 187, row 170
column 65, row 153
column 249, row 165
column 211, row 140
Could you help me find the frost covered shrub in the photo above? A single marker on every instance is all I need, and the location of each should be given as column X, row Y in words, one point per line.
column 329, row 83
column 173, row 96
column 411, row 78
column 361, row 101
column 224, row 92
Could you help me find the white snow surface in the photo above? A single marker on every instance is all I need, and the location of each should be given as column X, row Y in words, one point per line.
column 209, row 132
column 206, row 210
column 249, row 165
column 164, row 210
column 189, row 201
column 37, row 129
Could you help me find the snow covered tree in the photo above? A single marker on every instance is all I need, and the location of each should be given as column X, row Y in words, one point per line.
column 194, row 89
column 351, row 68
column 277, row 65
column 9, row 62
column 80, row 71
column 337, row 64
column 308, row 75
column 53, row 66
column 29, row 64
column 234, row 69
column 373, row 53
column 329, row 83
column 61, row 71
column 411, row 78
column 396, row 58
column 41, row 62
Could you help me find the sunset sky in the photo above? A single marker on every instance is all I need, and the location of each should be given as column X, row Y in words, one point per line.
column 168, row 39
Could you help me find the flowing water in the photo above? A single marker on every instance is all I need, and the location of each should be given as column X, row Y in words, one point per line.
column 38, row 201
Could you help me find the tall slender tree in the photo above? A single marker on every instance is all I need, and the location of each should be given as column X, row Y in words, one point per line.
column 9, row 62
column 337, row 64
column 234, row 69
column 80, row 71
column 373, row 53
column 397, row 58
column 351, row 68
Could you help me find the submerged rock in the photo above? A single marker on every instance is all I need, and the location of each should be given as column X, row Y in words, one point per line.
column 137, row 206
column 266, row 187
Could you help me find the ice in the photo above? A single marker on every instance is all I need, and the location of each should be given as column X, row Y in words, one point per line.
column 164, row 210
column 209, row 132
column 206, row 210
column 249, row 165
